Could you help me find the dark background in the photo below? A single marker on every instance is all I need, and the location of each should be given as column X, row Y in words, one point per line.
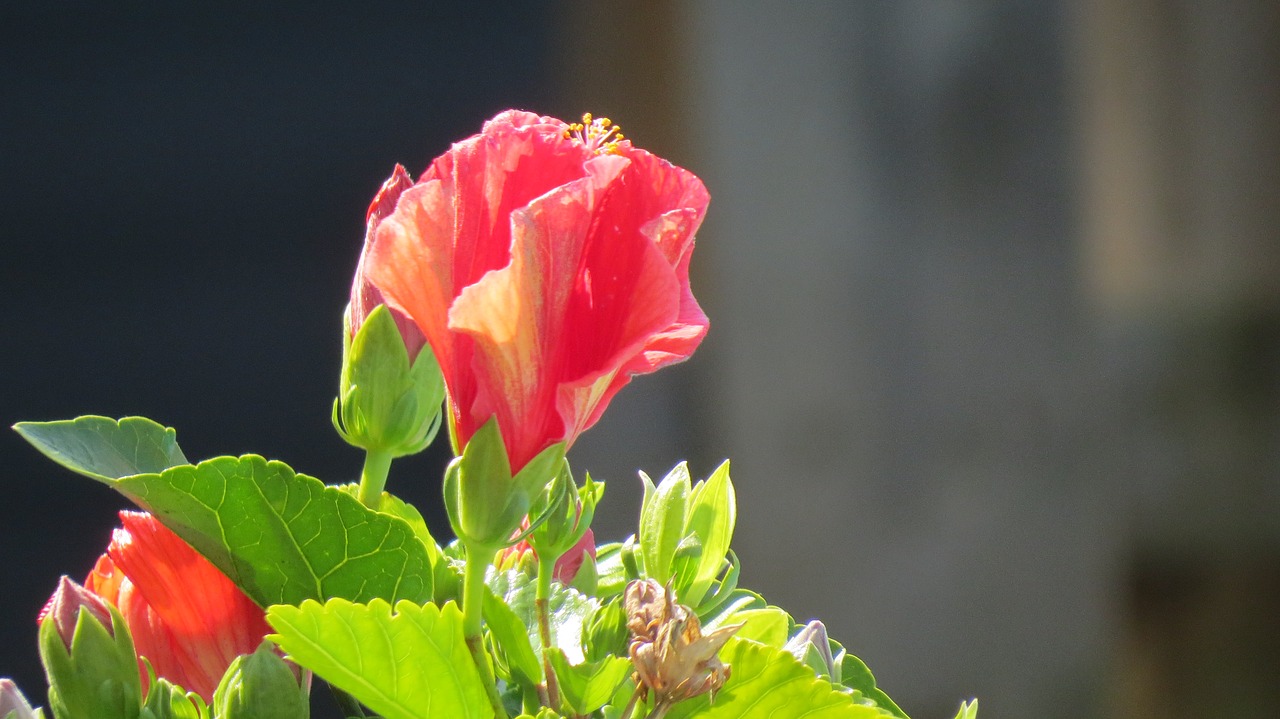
column 183, row 195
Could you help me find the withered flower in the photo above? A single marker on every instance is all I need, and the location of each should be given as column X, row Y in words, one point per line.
column 672, row 657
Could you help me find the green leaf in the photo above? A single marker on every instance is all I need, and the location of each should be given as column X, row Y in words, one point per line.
column 855, row 674
column 662, row 519
column 569, row 610
column 768, row 682
column 968, row 710
column 712, row 515
column 611, row 575
column 284, row 537
column 588, row 686
column 606, row 631
column 511, row 634
column 766, row 625
column 105, row 449
column 413, row 664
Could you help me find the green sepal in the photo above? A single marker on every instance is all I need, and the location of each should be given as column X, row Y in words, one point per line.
column 566, row 511
column 484, row 501
column 605, row 633
column 386, row 403
column 662, row 521
column 968, row 710
column 260, row 686
column 105, row 449
column 165, row 700
column 98, row 677
column 588, row 686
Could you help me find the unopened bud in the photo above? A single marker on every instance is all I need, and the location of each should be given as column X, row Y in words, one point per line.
column 63, row 609
column 260, row 686
column 13, row 705
column 90, row 663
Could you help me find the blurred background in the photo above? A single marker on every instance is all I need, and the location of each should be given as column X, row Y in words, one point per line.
column 994, row 289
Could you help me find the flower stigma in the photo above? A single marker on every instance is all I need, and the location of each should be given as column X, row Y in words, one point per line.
column 600, row 135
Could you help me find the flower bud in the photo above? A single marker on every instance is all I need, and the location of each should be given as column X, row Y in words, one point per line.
column 63, row 609
column 13, row 705
column 812, row 647
column 485, row 502
column 386, row 401
column 89, row 661
column 260, row 686
column 166, row 700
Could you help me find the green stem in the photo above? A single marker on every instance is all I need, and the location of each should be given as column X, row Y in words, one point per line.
column 542, row 597
column 473, row 589
column 374, row 477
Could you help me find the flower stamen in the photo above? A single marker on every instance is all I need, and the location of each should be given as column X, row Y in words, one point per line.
column 600, row 135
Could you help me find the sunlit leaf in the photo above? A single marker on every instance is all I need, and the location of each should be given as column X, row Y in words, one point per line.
column 413, row 664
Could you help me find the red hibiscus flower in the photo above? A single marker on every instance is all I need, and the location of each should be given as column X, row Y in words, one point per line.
column 186, row 617
column 546, row 264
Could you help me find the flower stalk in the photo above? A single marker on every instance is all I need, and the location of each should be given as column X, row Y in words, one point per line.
column 542, row 597
column 479, row 557
column 373, row 478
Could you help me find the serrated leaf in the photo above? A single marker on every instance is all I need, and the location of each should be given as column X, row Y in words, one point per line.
column 413, row 664
column 105, row 449
column 968, row 710
column 766, row 625
column 588, row 686
column 768, row 682
column 284, row 537
column 855, row 675
column 569, row 610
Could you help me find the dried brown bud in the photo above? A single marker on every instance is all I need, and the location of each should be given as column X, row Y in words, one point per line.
column 672, row 656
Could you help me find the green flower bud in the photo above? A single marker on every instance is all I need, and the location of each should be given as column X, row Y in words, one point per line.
column 260, row 686
column 90, row 664
column 387, row 402
column 568, row 511
column 485, row 502
column 165, row 700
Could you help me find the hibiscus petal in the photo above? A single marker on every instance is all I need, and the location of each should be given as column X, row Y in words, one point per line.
column 197, row 621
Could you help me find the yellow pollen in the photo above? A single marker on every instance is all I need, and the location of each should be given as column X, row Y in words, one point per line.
column 599, row 134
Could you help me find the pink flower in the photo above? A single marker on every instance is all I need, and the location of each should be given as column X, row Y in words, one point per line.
column 186, row 617
column 546, row 264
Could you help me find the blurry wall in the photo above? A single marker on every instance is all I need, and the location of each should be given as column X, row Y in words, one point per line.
column 994, row 343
